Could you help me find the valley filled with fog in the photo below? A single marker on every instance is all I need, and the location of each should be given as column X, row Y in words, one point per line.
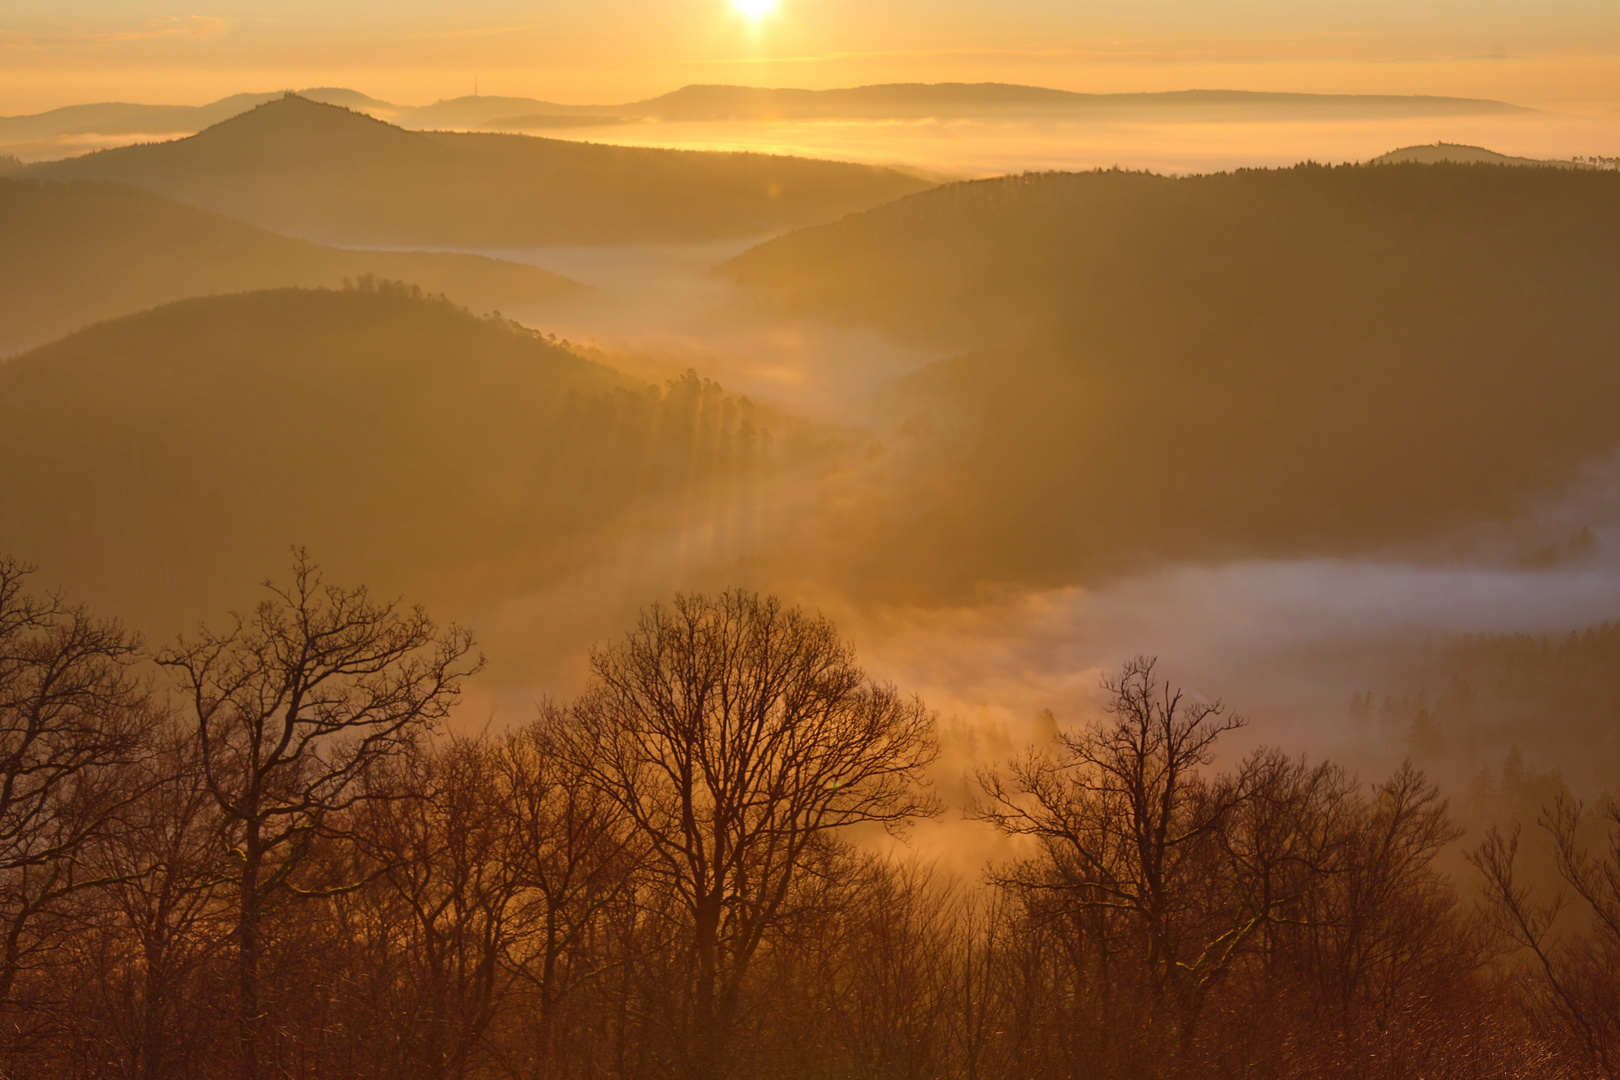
column 1287, row 638
column 1041, row 407
column 971, row 148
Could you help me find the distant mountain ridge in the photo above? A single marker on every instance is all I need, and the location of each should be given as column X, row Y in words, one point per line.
column 917, row 100
column 123, row 118
column 715, row 102
column 309, row 169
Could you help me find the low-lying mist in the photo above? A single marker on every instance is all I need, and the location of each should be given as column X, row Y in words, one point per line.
column 969, row 571
column 971, row 147
column 795, row 688
column 658, row 309
column 1288, row 641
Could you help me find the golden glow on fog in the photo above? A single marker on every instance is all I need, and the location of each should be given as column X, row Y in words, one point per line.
column 753, row 10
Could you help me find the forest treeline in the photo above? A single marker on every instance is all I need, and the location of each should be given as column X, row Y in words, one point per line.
column 257, row 851
column 1464, row 703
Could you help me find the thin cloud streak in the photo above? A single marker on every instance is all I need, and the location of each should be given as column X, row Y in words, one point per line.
column 174, row 28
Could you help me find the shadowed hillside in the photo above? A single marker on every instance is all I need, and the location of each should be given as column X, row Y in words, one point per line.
column 165, row 457
column 1295, row 361
column 318, row 170
column 79, row 252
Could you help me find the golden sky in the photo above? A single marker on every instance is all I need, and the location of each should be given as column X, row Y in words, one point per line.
column 1550, row 53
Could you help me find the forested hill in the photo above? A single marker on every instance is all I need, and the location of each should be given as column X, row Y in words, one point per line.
column 79, row 252
column 1117, row 253
column 326, row 172
column 168, row 457
column 1295, row 361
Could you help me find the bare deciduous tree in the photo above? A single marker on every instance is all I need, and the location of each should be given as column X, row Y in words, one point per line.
column 448, row 905
column 73, row 718
column 292, row 708
column 1576, row 968
column 570, row 848
column 1380, row 921
column 166, row 877
column 1128, row 824
column 737, row 735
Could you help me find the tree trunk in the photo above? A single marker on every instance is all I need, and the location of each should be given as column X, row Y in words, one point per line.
column 150, row 1063
column 706, row 1051
column 548, row 983
column 248, row 1018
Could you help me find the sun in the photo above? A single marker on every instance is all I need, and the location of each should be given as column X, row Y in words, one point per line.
column 753, row 10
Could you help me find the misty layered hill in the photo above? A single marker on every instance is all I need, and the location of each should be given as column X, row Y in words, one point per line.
column 910, row 101
column 50, row 130
column 80, row 251
column 325, row 172
column 126, row 118
column 167, row 459
column 1298, row 361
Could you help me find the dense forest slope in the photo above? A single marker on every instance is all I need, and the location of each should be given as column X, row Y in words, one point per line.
column 169, row 458
column 1291, row 361
column 80, row 251
column 318, row 170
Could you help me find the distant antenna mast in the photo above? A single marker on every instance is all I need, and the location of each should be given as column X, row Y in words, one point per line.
column 475, row 86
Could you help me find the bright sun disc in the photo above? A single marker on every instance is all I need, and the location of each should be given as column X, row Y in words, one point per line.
column 754, row 9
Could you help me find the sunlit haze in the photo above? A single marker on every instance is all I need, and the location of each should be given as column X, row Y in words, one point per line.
column 810, row 540
column 1560, row 53
column 754, row 9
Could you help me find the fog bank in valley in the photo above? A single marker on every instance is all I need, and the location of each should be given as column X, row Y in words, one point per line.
column 1287, row 641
